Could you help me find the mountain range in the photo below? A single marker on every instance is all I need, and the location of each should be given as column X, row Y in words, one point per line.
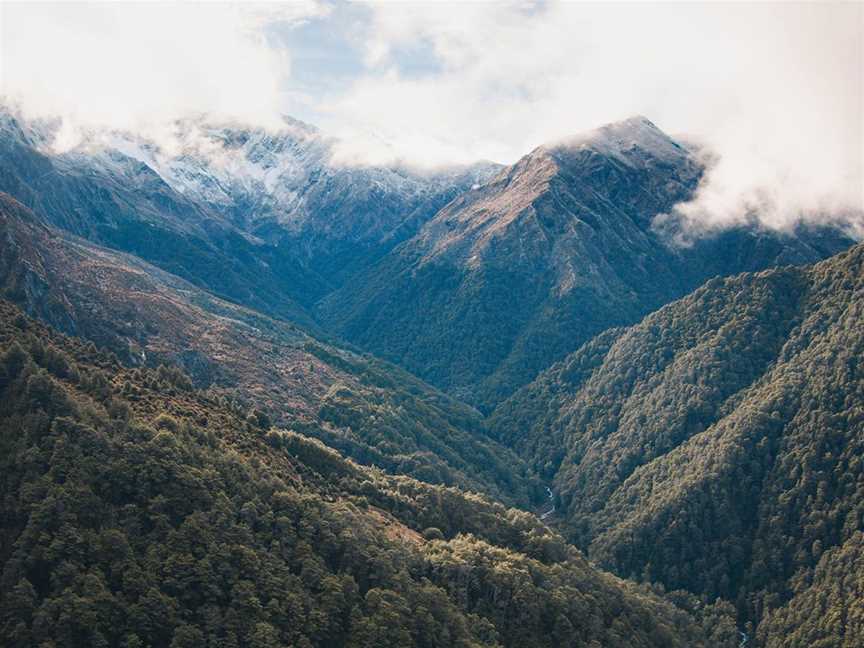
column 416, row 267
column 293, row 398
column 564, row 244
column 369, row 410
column 263, row 219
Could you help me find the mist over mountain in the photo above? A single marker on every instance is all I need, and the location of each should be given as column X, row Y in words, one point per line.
column 523, row 324
column 265, row 220
column 506, row 269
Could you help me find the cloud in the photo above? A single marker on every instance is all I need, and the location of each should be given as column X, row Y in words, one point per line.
column 773, row 90
column 138, row 66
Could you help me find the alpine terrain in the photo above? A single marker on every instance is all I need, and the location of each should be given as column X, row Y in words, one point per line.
column 256, row 393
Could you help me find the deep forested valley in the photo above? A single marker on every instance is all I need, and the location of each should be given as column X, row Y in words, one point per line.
column 138, row 511
column 715, row 447
column 324, row 408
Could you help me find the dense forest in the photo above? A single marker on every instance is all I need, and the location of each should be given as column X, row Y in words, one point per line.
column 716, row 447
column 138, row 511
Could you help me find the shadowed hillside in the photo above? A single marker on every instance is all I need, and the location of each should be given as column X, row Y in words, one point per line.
column 371, row 411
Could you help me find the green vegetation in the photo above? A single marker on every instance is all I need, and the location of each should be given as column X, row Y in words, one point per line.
column 387, row 418
column 198, row 473
column 140, row 512
column 716, row 447
column 815, row 616
column 370, row 411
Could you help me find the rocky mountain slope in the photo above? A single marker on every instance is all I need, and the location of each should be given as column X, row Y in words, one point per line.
column 471, row 280
column 516, row 273
column 124, row 204
column 137, row 511
column 289, row 190
column 269, row 220
column 371, row 411
column 716, row 446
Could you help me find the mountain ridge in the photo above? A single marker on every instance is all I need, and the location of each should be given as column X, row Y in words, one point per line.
column 273, row 201
column 511, row 276
column 367, row 409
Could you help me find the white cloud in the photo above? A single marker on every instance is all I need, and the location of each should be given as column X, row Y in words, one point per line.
column 774, row 89
column 138, row 66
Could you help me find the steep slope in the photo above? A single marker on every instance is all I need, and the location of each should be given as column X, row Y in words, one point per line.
column 137, row 511
column 716, row 446
column 124, row 204
column 826, row 606
column 518, row 272
column 369, row 410
column 265, row 219
column 288, row 189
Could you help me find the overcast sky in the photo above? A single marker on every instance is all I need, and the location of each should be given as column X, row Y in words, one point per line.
column 775, row 90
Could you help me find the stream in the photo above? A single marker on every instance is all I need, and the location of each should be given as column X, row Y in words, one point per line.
column 545, row 515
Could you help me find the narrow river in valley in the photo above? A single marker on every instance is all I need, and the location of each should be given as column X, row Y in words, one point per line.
column 545, row 515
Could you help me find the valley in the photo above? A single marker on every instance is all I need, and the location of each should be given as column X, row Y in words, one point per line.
column 250, row 395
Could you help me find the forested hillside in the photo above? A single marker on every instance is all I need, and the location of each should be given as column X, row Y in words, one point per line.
column 369, row 410
column 140, row 512
column 716, row 447
column 205, row 461
column 431, row 324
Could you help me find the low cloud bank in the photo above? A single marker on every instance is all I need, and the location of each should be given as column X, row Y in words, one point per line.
column 773, row 91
